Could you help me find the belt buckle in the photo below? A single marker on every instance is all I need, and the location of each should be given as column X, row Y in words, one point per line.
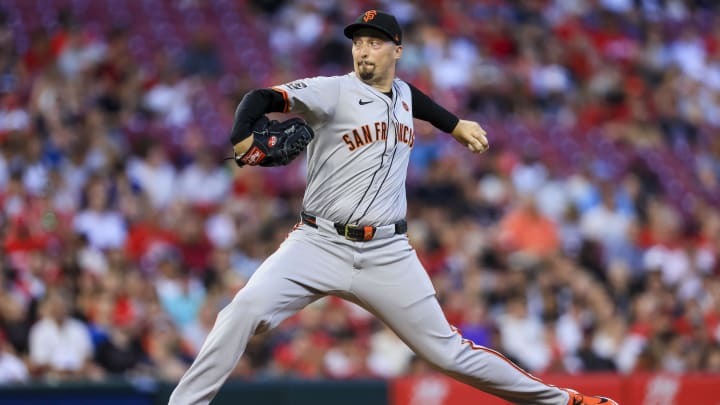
column 367, row 233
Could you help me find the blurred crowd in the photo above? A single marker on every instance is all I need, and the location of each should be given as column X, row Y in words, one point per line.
column 587, row 239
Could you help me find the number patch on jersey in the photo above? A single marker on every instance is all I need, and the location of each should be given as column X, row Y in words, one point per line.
column 297, row 85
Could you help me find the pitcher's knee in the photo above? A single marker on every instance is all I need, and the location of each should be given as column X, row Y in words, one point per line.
column 442, row 360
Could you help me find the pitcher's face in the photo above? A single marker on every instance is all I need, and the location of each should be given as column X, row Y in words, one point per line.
column 374, row 55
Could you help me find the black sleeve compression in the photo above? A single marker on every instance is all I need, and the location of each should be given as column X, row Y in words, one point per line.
column 424, row 108
column 251, row 108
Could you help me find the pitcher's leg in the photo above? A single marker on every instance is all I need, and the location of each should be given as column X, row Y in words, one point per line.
column 251, row 311
column 425, row 329
column 286, row 282
column 401, row 295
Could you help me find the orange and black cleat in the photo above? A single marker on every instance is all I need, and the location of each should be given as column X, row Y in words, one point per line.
column 577, row 398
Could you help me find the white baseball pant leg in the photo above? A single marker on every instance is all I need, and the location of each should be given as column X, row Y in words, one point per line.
column 393, row 284
column 286, row 282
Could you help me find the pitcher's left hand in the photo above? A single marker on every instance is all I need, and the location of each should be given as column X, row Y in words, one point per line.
column 471, row 135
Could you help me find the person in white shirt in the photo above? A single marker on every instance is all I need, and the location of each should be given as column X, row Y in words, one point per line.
column 204, row 182
column 60, row 346
column 155, row 174
column 103, row 227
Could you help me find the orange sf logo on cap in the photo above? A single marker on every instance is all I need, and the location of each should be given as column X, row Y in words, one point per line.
column 369, row 15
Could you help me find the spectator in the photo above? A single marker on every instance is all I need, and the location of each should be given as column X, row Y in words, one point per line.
column 389, row 356
column 39, row 56
column 302, row 357
column 180, row 294
column 346, row 359
column 520, row 330
column 526, row 231
column 121, row 352
column 203, row 183
column 608, row 225
column 170, row 98
column 201, row 56
column 103, row 226
column 12, row 115
column 78, row 51
column 35, row 168
column 60, row 345
column 192, row 242
column 195, row 332
column 569, row 328
column 154, row 174
column 164, row 348
column 14, row 322
column 476, row 324
column 688, row 52
column 589, row 360
column 12, row 369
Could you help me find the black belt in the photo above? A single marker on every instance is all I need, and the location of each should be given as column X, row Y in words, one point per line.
column 351, row 232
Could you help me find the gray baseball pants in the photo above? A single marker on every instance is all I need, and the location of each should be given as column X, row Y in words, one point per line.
column 385, row 277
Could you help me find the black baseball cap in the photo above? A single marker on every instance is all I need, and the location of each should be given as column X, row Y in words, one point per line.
column 384, row 22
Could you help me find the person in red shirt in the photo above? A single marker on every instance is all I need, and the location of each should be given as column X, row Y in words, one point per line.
column 526, row 230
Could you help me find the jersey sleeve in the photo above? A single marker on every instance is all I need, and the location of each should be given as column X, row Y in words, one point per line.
column 315, row 98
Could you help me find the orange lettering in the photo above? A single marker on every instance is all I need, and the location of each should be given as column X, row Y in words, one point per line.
column 358, row 140
column 366, row 133
column 349, row 143
column 377, row 131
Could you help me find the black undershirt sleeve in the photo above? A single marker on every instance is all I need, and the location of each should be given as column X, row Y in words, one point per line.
column 251, row 108
column 424, row 108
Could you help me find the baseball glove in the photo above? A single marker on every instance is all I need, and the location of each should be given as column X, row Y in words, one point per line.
column 276, row 143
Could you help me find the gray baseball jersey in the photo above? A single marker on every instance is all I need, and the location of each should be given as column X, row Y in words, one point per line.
column 359, row 157
column 357, row 165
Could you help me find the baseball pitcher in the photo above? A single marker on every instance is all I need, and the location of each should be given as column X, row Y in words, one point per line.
column 352, row 242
